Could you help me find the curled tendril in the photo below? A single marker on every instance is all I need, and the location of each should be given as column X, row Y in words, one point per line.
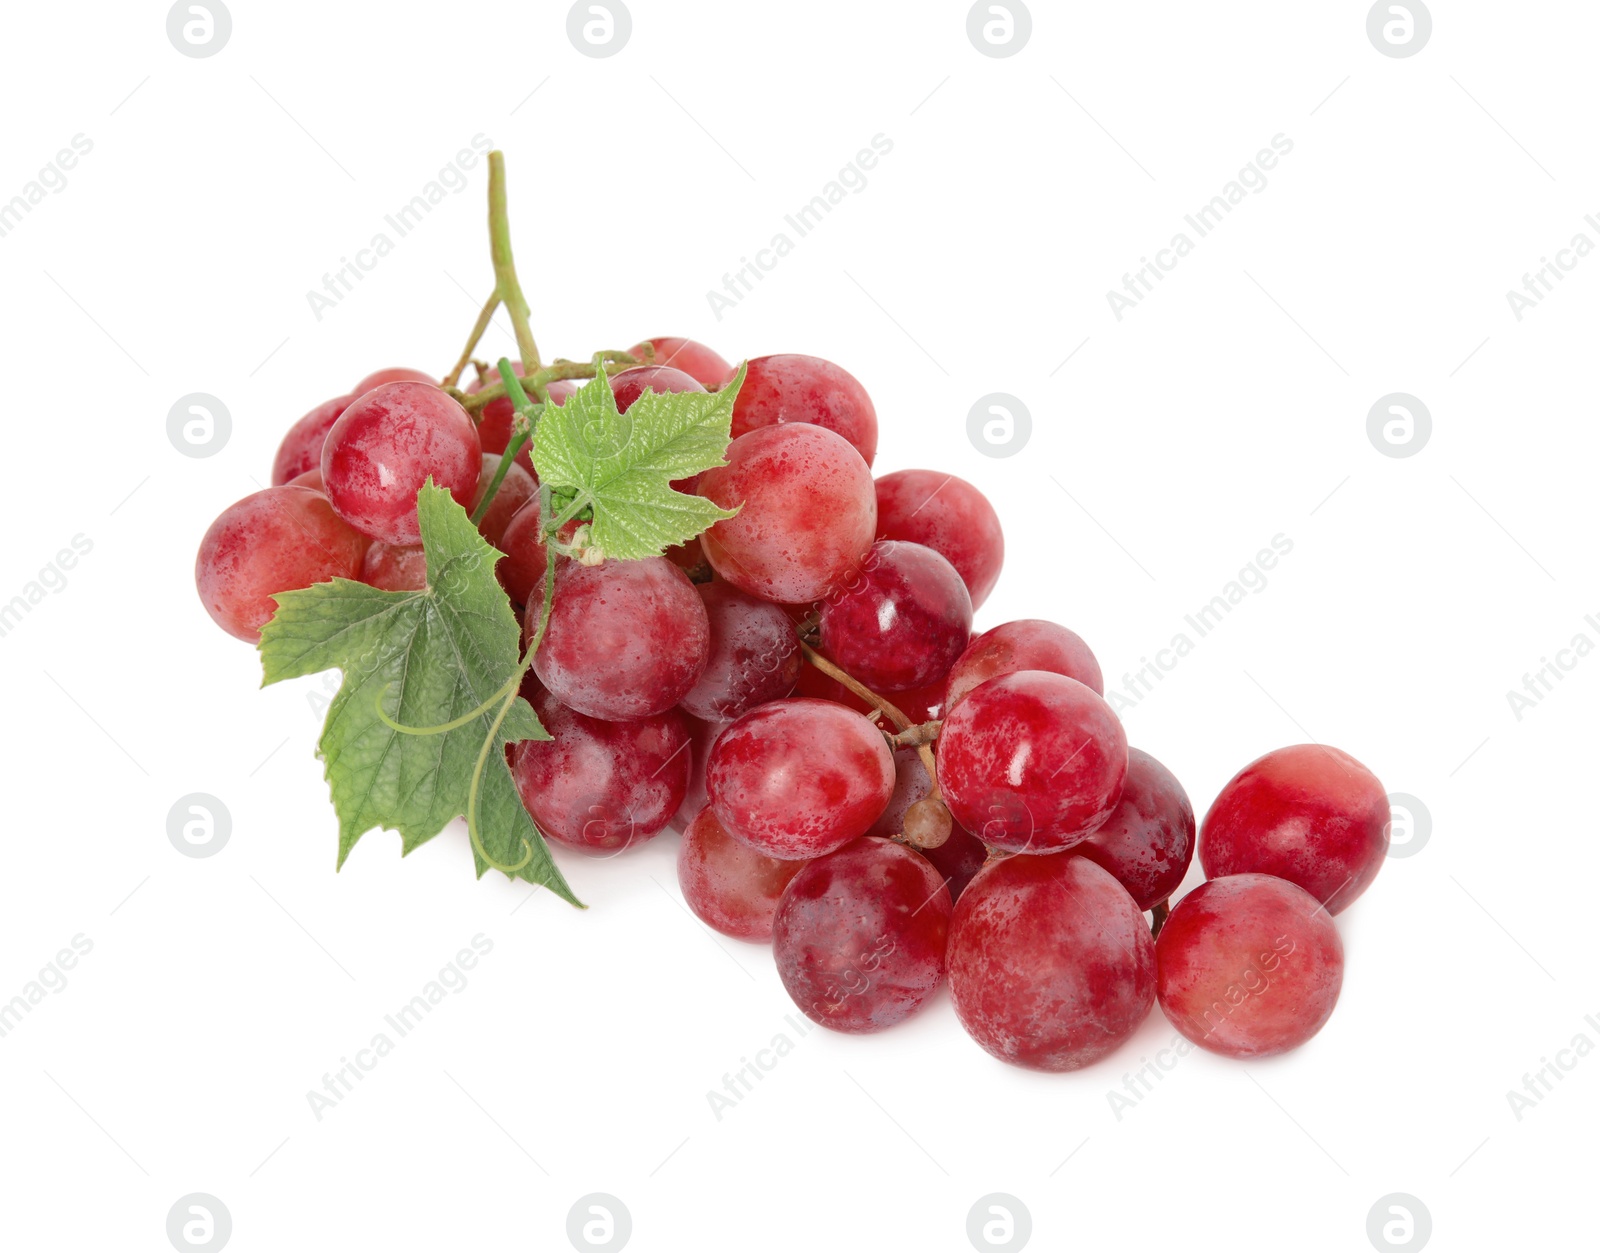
column 462, row 721
column 508, row 698
column 472, row 794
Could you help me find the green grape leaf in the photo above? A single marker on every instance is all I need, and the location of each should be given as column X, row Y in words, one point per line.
column 430, row 657
column 622, row 465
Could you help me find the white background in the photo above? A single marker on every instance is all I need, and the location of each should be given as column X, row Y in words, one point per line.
column 1230, row 407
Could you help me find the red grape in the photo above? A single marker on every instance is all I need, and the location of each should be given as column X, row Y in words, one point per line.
column 701, row 736
column 961, row 855
column 754, row 658
column 1250, row 965
column 1032, row 762
column 395, row 568
column 911, row 784
column 696, row 360
column 275, row 540
column 1312, row 815
column 301, row 449
column 799, row 778
column 521, row 570
column 958, row 859
column 819, row 686
column 495, row 419
column 311, row 478
column 386, row 445
column 688, row 557
column 1027, row 644
column 394, row 374
column 860, row 935
column 731, row 887
column 1051, row 962
column 627, row 639
column 790, row 387
column 921, row 704
column 492, row 433
column 628, row 385
column 1148, row 841
column 516, row 490
column 902, row 623
column 602, row 786
column 807, row 518
column 950, row 516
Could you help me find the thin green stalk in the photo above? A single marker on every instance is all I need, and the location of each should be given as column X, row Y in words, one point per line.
column 478, row 328
column 569, row 513
column 515, row 684
column 477, row 780
column 550, row 555
column 522, row 428
column 507, row 288
column 443, row 727
column 474, row 402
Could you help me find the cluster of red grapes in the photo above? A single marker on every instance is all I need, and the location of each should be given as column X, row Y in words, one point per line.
column 889, row 799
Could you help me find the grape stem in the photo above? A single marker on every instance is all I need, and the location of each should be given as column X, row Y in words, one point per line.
column 901, row 723
column 536, row 378
column 522, row 431
column 916, row 736
column 578, row 505
column 507, row 288
column 1158, row 917
column 615, row 362
column 479, row 327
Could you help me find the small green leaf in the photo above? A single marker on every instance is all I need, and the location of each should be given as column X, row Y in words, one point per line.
column 430, row 657
column 622, row 464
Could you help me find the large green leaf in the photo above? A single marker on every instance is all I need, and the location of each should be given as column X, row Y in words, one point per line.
column 431, row 657
column 622, row 465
